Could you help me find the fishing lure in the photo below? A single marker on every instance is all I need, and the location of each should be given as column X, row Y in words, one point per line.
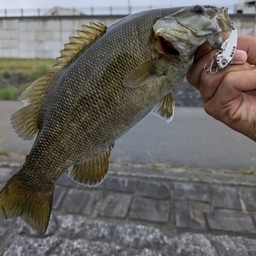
column 225, row 54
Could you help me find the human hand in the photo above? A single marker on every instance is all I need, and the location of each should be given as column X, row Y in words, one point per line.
column 230, row 94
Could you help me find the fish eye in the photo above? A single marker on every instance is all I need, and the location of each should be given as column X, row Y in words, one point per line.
column 198, row 9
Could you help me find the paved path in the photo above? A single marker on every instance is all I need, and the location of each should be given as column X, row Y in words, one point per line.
column 192, row 139
column 146, row 211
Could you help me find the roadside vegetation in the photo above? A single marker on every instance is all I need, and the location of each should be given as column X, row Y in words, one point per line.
column 17, row 74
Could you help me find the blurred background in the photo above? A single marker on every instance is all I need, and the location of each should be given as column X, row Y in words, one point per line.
column 31, row 36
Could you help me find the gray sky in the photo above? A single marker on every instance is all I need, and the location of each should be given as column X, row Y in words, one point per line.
column 31, row 4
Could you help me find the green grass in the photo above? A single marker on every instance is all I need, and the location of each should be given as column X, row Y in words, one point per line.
column 12, row 92
column 25, row 64
column 8, row 93
column 152, row 156
column 40, row 71
column 17, row 74
column 249, row 171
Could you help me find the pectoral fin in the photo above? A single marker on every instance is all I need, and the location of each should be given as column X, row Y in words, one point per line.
column 145, row 73
column 165, row 108
column 92, row 170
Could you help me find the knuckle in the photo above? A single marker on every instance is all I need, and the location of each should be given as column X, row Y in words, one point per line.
column 208, row 108
column 230, row 78
column 209, row 81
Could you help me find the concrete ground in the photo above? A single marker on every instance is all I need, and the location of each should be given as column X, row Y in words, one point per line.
column 143, row 210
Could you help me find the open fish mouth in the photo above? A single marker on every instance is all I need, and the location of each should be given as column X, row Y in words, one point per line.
column 167, row 47
column 179, row 35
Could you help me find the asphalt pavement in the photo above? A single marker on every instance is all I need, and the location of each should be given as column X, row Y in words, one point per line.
column 192, row 139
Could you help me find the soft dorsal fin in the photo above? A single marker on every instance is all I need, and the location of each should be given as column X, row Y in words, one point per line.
column 26, row 120
column 92, row 170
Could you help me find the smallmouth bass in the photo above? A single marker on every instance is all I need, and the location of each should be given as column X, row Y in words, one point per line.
column 106, row 80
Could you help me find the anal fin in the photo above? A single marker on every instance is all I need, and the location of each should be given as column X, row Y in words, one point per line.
column 92, row 170
column 165, row 108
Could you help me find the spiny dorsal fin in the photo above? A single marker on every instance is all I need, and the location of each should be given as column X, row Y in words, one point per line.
column 26, row 120
column 78, row 44
column 92, row 170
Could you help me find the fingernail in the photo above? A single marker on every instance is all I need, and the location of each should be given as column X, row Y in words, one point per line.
column 240, row 57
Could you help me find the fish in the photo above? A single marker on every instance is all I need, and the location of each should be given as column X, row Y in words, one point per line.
column 105, row 81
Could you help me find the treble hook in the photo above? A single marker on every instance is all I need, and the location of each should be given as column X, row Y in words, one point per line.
column 211, row 68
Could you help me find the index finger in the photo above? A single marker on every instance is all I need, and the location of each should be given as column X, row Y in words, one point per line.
column 194, row 73
column 202, row 50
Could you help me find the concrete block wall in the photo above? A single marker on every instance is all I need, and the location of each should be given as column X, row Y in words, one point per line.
column 245, row 24
column 40, row 37
column 43, row 37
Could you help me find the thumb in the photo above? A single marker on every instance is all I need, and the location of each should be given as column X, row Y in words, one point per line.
column 240, row 57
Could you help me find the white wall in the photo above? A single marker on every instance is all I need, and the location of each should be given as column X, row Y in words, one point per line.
column 245, row 24
column 43, row 37
column 40, row 37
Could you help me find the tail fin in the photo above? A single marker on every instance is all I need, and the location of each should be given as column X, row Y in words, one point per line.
column 33, row 207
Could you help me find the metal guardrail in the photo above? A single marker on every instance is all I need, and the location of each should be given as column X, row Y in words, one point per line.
column 59, row 11
column 89, row 11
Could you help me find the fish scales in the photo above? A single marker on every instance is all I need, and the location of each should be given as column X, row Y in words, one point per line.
column 82, row 94
column 96, row 93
